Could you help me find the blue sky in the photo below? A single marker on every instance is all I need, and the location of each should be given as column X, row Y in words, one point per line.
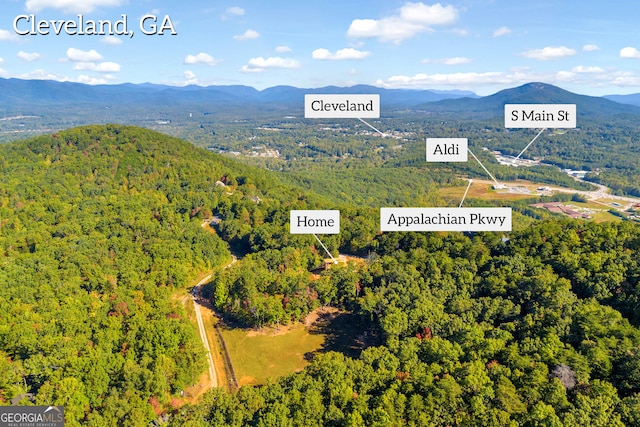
column 480, row 45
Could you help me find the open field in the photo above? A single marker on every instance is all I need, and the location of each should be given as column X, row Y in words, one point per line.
column 600, row 211
column 258, row 355
column 599, row 202
column 270, row 353
column 483, row 190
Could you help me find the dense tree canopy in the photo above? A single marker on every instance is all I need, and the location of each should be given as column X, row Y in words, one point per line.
column 99, row 226
column 541, row 329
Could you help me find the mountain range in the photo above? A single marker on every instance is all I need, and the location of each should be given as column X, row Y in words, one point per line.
column 20, row 93
column 23, row 97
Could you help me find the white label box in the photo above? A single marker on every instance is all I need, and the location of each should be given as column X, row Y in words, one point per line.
column 343, row 106
column 540, row 115
column 314, row 222
column 447, row 149
column 445, row 219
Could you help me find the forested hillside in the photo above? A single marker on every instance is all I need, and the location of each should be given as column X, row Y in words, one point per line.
column 539, row 330
column 98, row 227
column 101, row 225
column 97, row 230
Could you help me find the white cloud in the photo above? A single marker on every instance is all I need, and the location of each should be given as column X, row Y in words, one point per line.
column 260, row 64
column 92, row 80
column 429, row 15
column 44, row 75
column 190, row 78
column 342, row 54
column 456, row 60
column 549, row 52
column 84, row 66
column 247, row 35
column 108, row 67
column 411, row 19
column 590, row 70
column 250, row 69
column 103, row 67
column 70, row 6
column 502, row 31
column 283, row 49
column 74, row 54
column 625, row 80
column 629, row 52
column 454, row 79
column 322, row 54
column 201, row 58
column 579, row 76
column 590, row 48
column 111, row 40
column 41, row 75
column 597, row 77
column 565, row 76
column 28, row 57
column 233, row 11
column 7, row 36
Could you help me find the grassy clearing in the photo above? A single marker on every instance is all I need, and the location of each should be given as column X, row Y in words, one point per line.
column 270, row 354
column 605, row 217
column 480, row 190
column 600, row 212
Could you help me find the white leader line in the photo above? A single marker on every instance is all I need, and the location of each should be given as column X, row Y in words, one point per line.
column 465, row 192
column 381, row 133
column 485, row 169
column 525, row 148
column 335, row 261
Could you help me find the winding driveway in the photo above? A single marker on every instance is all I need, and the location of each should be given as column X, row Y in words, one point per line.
column 195, row 295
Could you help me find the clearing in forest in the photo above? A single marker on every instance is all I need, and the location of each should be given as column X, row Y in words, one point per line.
column 260, row 354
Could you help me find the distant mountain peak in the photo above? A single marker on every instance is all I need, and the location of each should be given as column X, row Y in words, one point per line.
column 534, row 89
column 539, row 86
column 530, row 93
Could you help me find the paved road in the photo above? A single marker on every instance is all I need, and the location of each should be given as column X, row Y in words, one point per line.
column 602, row 192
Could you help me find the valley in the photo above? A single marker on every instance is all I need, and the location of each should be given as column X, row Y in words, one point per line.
column 115, row 224
column 319, row 214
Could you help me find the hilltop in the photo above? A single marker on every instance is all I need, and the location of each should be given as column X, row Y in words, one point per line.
column 99, row 225
column 531, row 93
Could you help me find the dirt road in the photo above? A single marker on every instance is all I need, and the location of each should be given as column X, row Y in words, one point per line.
column 195, row 295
